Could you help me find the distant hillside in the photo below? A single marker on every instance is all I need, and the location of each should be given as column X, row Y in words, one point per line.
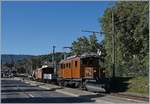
column 47, row 57
column 8, row 58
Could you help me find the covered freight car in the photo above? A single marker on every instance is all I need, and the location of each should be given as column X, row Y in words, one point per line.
column 44, row 74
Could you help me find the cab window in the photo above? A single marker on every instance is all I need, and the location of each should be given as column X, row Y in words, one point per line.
column 64, row 66
column 76, row 64
column 61, row 66
column 69, row 65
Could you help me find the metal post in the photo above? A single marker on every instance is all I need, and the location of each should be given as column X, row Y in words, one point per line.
column 113, row 42
column 53, row 59
column 64, row 55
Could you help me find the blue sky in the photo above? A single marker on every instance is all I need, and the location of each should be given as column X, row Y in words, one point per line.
column 34, row 27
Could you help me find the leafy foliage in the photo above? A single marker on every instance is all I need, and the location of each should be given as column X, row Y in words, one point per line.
column 87, row 45
column 131, row 37
column 84, row 44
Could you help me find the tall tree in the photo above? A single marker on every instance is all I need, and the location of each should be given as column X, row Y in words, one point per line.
column 85, row 44
column 131, row 37
column 80, row 46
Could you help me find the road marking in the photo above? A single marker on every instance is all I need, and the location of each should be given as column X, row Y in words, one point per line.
column 30, row 95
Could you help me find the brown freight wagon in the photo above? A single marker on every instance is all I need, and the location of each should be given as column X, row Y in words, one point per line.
column 78, row 71
column 44, row 74
column 38, row 74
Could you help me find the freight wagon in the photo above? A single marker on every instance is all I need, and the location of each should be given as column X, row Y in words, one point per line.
column 44, row 74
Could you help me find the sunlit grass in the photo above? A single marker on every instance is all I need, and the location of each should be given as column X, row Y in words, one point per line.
column 139, row 85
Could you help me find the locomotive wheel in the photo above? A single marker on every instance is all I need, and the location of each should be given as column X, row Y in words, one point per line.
column 76, row 85
column 72, row 85
column 80, row 86
column 84, row 86
column 65, row 84
column 59, row 83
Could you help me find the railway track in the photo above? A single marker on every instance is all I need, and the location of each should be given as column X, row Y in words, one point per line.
column 122, row 95
column 129, row 96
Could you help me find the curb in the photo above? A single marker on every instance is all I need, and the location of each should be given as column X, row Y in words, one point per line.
column 67, row 93
column 44, row 87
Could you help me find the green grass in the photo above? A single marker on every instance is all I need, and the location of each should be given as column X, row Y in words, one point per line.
column 139, row 85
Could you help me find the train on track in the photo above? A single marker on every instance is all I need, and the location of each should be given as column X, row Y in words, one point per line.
column 45, row 74
column 84, row 72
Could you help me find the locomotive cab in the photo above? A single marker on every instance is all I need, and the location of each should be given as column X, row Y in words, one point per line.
column 93, row 73
column 89, row 66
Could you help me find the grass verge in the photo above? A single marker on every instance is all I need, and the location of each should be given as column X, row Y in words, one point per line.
column 139, row 85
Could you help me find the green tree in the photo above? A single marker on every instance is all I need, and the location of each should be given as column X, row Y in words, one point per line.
column 85, row 44
column 80, row 46
column 131, row 37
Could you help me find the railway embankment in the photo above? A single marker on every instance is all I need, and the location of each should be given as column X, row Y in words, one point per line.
column 134, row 86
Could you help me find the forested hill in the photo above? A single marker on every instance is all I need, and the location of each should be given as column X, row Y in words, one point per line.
column 9, row 58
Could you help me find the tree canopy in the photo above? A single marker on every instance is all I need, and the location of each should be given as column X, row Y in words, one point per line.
column 85, row 44
column 131, row 37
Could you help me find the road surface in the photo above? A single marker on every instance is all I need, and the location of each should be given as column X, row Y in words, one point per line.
column 16, row 91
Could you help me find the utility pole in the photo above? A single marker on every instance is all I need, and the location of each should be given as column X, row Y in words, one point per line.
column 113, row 43
column 114, row 38
column 53, row 59
column 11, row 64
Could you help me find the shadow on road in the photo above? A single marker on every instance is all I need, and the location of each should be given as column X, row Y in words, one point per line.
column 119, row 84
column 18, row 85
column 80, row 99
column 48, row 100
column 26, row 90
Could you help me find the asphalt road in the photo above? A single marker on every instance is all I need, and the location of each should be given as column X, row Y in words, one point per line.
column 15, row 91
